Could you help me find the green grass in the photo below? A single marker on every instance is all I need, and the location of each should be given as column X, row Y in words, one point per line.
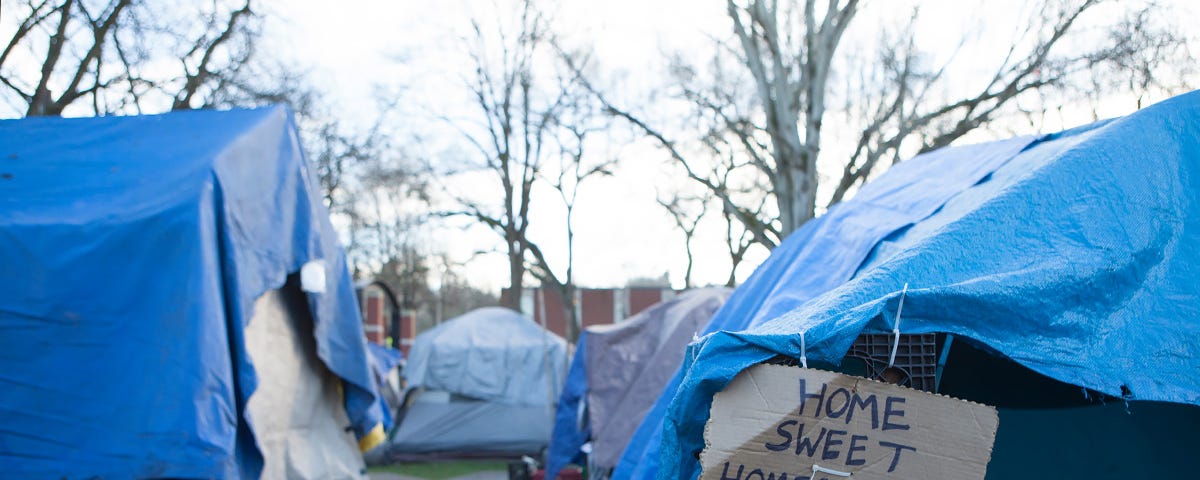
column 440, row 470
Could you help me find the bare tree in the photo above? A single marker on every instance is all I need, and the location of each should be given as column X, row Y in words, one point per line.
column 369, row 164
column 201, row 63
column 576, row 122
column 455, row 296
column 687, row 211
column 519, row 110
column 738, row 241
column 112, row 54
column 374, row 182
column 786, row 50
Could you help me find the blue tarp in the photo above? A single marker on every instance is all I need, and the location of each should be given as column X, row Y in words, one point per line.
column 825, row 253
column 382, row 360
column 133, row 250
column 571, row 426
column 1068, row 253
column 621, row 370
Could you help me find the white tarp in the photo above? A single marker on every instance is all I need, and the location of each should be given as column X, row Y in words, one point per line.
column 492, row 354
column 297, row 408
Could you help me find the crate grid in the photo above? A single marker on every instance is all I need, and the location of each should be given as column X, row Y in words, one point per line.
column 916, row 358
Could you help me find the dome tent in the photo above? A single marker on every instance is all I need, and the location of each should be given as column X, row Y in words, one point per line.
column 481, row 384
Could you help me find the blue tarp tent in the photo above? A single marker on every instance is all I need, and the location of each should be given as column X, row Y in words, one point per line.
column 134, row 251
column 617, row 373
column 1071, row 254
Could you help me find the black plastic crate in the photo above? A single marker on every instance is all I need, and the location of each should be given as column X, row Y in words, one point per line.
column 916, row 359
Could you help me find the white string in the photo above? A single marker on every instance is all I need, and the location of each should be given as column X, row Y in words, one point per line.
column 819, row 469
column 803, row 352
column 896, row 327
column 695, row 337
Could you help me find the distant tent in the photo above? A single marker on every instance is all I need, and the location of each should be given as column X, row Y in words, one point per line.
column 1064, row 265
column 480, row 385
column 174, row 303
column 619, row 370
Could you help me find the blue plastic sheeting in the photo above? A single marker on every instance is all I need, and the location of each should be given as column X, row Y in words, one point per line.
column 571, row 427
column 624, row 368
column 621, row 370
column 826, row 252
column 1075, row 258
column 382, row 360
column 134, row 249
column 492, row 354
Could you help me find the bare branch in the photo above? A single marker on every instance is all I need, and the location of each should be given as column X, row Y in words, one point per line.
column 195, row 79
column 35, row 17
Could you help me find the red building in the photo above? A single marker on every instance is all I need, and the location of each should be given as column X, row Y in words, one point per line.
column 593, row 306
column 382, row 322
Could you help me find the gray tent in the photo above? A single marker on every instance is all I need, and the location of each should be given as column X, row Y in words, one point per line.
column 480, row 385
column 621, row 369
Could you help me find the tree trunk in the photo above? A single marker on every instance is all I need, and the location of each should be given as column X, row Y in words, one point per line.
column 42, row 104
column 516, row 273
column 796, row 184
column 797, row 205
column 574, row 327
column 687, row 274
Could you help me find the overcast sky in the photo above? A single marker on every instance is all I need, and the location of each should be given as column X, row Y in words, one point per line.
column 621, row 232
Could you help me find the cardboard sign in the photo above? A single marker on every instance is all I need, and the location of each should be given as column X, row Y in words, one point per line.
column 777, row 422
